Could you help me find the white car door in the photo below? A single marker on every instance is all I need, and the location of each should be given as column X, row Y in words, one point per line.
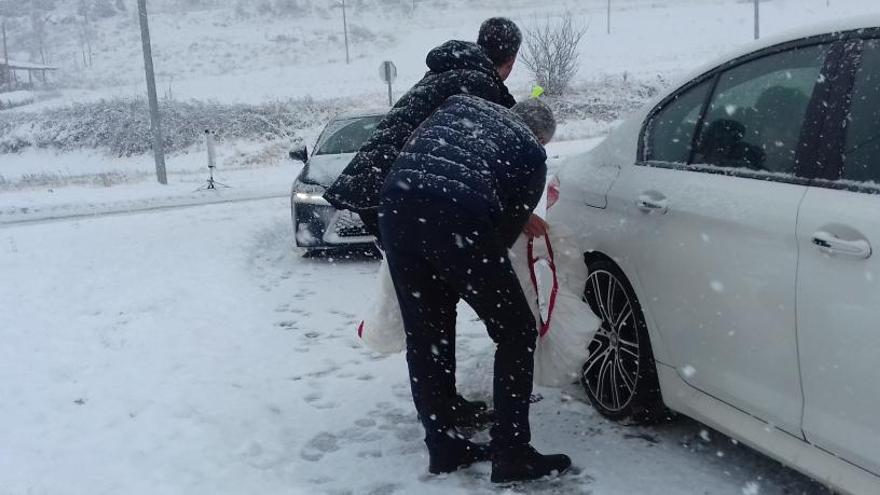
column 713, row 222
column 839, row 283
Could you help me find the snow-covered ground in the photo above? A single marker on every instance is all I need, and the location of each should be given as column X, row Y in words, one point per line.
column 193, row 351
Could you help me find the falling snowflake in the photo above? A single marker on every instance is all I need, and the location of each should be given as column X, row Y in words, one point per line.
column 688, row 371
column 751, row 488
column 717, row 286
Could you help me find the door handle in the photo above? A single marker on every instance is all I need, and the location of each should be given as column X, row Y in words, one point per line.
column 649, row 203
column 831, row 244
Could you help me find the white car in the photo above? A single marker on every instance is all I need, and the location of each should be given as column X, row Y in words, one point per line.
column 729, row 231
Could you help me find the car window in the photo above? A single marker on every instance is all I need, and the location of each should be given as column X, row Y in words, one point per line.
column 757, row 111
column 346, row 136
column 862, row 145
column 671, row 131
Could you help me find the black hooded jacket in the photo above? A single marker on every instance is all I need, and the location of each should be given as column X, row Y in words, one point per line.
column 456, row 67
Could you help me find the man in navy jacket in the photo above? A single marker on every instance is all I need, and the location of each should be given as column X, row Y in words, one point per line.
column 454, row 201
column 455, row 67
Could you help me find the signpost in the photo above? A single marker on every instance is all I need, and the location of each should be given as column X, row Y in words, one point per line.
column 757, row 19
column 388, row 74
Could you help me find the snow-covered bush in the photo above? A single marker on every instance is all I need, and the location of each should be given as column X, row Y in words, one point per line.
column 551, row 52
column 590, row 109
column 122, row 126
column 293, row 7
column 604, row 100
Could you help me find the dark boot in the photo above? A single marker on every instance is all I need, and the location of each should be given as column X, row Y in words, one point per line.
column 451, row 454
column 524, row 463
column 470, row 414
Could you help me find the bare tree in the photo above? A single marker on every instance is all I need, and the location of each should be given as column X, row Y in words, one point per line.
column 551, row 52
column 9, row 9
column 38, row 33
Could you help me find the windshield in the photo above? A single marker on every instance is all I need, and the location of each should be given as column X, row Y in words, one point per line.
column 346, row 136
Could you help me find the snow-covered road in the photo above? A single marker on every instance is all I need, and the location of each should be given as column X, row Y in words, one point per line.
column 192, row 351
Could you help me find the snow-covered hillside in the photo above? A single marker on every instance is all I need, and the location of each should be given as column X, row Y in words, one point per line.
column 292, row 52
column 240, row 51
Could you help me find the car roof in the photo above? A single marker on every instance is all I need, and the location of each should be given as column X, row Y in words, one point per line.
column 358, row 114
column 619, row 138
column 870, row 21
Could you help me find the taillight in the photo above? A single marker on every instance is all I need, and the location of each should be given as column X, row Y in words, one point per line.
column 552, row 191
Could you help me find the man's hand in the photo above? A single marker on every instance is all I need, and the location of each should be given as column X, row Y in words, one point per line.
column 535, row 227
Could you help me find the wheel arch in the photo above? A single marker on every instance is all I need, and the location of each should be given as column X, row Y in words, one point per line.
column 658, row 345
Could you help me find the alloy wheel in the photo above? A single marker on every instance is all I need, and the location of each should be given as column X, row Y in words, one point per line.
column 612, row 368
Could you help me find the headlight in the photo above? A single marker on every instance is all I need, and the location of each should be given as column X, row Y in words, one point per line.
column 311, row 194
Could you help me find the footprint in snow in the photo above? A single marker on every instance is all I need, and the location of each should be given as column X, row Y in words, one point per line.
column 385, row 489
column 372, row 454
column 287, row 325
column 320, row 445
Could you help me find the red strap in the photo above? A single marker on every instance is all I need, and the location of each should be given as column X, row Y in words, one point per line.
column 545, row 325
column 361, row 329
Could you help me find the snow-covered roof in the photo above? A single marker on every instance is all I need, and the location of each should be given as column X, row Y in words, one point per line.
column 833, row 26
column 356, row 114
column 12, row 64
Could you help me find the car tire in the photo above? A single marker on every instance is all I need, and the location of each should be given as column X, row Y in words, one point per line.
column 620, row 375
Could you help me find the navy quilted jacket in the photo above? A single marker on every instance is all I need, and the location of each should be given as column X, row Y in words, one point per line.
column 478, row 155
column 456, row 67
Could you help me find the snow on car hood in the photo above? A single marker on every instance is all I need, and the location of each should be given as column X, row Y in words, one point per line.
column 324, row 169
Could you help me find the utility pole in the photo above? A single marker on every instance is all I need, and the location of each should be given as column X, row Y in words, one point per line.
column 345, row 29
column 757, row 19
column 155, row 123
column 6, row 71
column 609, row 16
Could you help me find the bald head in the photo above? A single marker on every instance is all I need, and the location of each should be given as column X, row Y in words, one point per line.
column 538, row 117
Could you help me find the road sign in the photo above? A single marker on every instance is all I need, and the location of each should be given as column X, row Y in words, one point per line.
column 388, row 74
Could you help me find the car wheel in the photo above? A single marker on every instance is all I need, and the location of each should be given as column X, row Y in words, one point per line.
column 620, row 375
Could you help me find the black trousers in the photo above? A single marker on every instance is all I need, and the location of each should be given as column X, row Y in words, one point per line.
column 439, row 253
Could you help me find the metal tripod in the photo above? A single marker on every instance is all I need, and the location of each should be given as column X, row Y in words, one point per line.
column 211, row 184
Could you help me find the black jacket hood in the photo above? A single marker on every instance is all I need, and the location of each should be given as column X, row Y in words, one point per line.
column 456, row 55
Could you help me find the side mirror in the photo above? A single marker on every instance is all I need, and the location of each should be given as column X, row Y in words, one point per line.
column 300, row 154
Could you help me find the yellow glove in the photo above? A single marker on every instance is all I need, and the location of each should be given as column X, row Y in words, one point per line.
column 537, row 92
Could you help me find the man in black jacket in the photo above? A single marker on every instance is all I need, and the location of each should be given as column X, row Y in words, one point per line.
column 456, row 67
column 454, row 201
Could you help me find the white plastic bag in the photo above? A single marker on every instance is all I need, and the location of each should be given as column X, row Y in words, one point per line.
column 553, row 277
column 562, row 346
column 382, row 330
